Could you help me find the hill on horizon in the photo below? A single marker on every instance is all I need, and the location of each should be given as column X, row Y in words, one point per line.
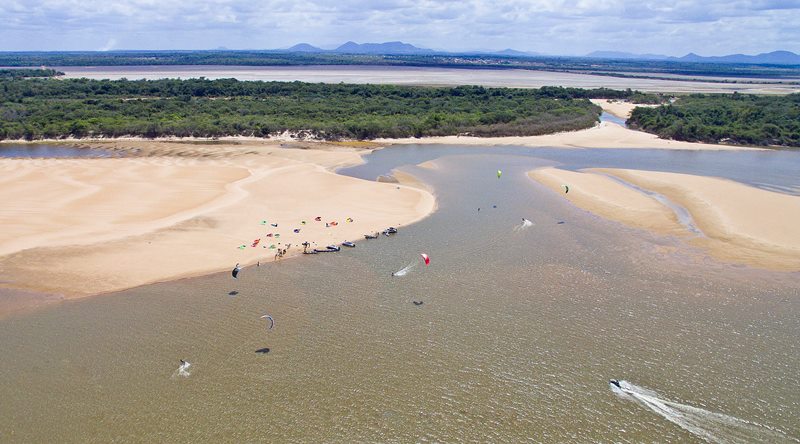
column 779, row 57
column 767, row 58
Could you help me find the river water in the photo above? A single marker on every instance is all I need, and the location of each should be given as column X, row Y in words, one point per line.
column 519, row 333
column 45, row 150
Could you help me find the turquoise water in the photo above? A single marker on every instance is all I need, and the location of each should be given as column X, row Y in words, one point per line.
column 517, row 338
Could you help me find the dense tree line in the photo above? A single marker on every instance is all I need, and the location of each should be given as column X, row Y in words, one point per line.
column 21, row 73
column 731, row 118
column 47, row 108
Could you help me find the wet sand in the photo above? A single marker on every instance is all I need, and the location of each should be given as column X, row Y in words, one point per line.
column 739, row 223
column 179, row 210
column 603, row 196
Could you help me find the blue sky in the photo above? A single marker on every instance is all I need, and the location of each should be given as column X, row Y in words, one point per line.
column 570, row 27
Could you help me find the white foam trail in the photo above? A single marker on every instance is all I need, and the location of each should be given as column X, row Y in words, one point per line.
column 711, row 426
column 405, row 269
column 184, row 371
column 524, row 225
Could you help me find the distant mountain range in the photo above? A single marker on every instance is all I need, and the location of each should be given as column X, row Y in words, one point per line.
column 387, row 48
column 767, row 58
column 400, row 48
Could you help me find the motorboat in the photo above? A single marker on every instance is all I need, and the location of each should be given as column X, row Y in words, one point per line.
column 371, row 236
column 348, row 244
column 328, row 249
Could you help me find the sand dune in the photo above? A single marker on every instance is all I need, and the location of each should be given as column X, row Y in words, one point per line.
column 740, row 224
column 79, row 227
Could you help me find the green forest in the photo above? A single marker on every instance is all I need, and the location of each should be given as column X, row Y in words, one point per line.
column 50, row 108
column 737, row 119
column 21, row 73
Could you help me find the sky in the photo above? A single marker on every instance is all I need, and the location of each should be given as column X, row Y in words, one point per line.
column 556, row 27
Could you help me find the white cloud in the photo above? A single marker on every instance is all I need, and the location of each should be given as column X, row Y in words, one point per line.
column 551, row 26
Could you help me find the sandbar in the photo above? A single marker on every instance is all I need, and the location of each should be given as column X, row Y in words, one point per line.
column 739, row 223
column 80, row 227
column 605, row 197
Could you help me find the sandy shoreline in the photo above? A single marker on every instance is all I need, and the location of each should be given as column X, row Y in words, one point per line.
column 740, row 224
column 102, row 225
column 181, row 208
column 603, row 135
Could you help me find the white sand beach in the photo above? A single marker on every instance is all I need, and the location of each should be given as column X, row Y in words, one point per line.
column 78, row 227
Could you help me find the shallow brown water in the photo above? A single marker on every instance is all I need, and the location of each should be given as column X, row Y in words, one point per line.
column 519, row 333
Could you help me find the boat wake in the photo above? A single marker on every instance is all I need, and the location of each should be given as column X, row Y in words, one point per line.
column 524, row 225
column 184, row 371
column 711, row 426
column 404, row 271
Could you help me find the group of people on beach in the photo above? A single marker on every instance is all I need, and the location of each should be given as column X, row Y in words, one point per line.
column 281, row 252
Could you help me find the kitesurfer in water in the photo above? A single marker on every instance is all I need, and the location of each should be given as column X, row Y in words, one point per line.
column 615, row 383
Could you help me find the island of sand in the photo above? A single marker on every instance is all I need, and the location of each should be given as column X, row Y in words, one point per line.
column 78, row 227
column 731, row 221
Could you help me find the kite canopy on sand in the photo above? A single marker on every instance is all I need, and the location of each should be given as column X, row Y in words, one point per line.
column 236, row 270
column 566, row 188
